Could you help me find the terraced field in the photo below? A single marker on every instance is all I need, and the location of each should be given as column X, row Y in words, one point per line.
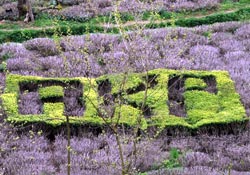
column 125, row 87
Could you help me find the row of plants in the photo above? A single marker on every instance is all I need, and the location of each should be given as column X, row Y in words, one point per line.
column 202, row 107
column 45, row 19
column 147, row 9
column 164, row 14
column 242, row 14
column 79, row 29
column 89, row 9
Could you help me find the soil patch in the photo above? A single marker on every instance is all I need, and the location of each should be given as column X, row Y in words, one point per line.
column 72, row 98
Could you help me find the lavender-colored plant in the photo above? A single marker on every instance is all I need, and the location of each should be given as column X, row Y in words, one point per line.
column 89, row 9
column 243, row 32
column 30, row 103
column 44, row 46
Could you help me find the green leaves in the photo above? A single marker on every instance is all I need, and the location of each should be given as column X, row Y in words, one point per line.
column 201, row 107
column 194, row 84
column 50, row 92
column 173, row 160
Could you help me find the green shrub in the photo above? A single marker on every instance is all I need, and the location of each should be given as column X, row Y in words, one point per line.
column 50, row 92
column 26, row 34
column 194, row 84
column 241, row 14
column 203, row 108
column 173, row 160
column 165, row 14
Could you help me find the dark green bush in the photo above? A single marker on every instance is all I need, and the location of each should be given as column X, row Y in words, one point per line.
column 24, row 35
column 241, row 14
column 165, row 14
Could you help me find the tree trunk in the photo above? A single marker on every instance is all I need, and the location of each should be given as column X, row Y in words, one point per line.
column 25, row 9
column 31, row 16
column 21, row 8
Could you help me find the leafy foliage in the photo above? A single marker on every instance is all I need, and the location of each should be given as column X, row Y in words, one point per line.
column 173, row 161
column 51, row 91
column 223, row 107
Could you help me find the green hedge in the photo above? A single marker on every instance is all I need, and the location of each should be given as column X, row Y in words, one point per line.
column 50, row 92
column 242, row 14
column 194, row 84
column 203, row 108
column 27, row 34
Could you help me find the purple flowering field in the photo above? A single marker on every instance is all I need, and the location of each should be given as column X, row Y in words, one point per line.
column 83, row 9
column 220, row 46
column 88, row 8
